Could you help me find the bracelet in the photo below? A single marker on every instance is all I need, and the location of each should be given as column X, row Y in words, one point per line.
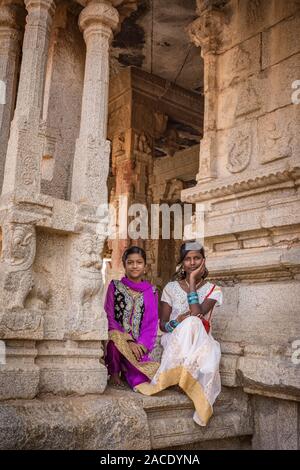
column 171, row 325
column 194, row 293
column 192, row 298
column 174, row 323
column 168, row 327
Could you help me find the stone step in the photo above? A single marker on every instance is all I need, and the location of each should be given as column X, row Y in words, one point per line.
column 119, row 419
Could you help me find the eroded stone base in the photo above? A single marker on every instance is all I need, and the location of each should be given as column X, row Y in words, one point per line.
column 121, row 419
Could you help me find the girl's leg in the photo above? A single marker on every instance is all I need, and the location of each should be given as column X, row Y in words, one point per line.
column 132, row 375
column 113, row 363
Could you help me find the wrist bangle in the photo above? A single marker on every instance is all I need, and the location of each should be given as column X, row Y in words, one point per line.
column 171, row 325
column 192, row 295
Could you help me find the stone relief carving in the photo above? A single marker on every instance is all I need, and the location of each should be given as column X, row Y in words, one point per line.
column 119, row 145
column 248, row 100
column 239, row 152
column 98, row 156
column 173, row 190
column 254, row 11
column 205, row 31
column 19, row 247
column 86, row 283
column 29, row 169
column 278, row 140
column 141, row 143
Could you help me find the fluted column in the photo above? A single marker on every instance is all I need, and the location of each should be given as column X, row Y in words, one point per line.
column 91, row 161
column 10, row 48
column 22, row 168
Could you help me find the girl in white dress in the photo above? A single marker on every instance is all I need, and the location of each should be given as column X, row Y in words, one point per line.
column 191, row 356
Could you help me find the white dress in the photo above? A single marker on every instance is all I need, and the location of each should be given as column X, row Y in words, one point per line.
column 191, row 356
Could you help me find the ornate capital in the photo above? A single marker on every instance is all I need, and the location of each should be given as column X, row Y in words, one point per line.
column 98, row 17
column 205, row 31
column 48, row 5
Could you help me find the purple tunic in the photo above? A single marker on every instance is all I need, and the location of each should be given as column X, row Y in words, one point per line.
column 140, row 325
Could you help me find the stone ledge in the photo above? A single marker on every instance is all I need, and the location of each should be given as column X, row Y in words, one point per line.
column 47, row 212
column 248, row 181
column 119, row 419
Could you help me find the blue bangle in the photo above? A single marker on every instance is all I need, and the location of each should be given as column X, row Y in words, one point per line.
column 192, row 297
column 168, row 327
column 193, row 301
column 171, row 325
column 174, row 323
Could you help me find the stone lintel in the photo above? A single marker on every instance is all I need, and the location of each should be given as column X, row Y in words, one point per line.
column 47, row 212
column 136, row 85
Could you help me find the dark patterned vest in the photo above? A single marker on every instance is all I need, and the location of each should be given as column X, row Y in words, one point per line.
column 129, row 308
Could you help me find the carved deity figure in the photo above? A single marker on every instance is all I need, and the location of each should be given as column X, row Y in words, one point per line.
column 19, row 247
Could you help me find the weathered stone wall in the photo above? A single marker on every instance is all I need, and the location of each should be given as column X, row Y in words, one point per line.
column 248, row 181
column 62, row 102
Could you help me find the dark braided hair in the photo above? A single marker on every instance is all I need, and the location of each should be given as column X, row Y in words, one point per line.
column 189, row 245
column 132, row 251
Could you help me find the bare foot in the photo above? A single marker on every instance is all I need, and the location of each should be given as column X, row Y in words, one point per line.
column 115, row 381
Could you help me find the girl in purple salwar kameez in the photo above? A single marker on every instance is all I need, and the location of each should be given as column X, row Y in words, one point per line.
column 131, row 305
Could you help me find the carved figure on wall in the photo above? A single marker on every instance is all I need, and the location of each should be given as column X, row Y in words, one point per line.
column 141, row 143
column 173, row 190
column 119, row 145
column 239, row 153
column 86, row 283
column 19, row 248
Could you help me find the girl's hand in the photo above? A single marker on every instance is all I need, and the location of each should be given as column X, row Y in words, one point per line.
column 182, row 316
column 137, row 350
column 198, row 273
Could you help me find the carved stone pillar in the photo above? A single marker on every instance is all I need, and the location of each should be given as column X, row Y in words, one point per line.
column 10, row 47
column 91, row 160
column 20, row 325
column 204, row 32
column 22, row 168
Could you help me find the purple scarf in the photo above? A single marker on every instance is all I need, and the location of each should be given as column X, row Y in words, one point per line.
column 149, row 324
